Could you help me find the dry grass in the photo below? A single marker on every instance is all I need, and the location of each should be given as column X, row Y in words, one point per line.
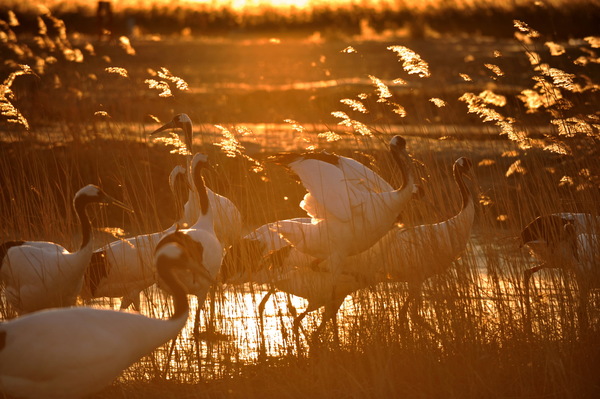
column 523, row 169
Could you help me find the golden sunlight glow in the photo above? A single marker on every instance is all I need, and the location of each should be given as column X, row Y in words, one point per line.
column 249, row 5
column 239, row 4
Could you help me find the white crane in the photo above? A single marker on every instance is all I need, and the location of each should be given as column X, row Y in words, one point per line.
column 200, row 240
column 180, row 187
column 350, row 205
column 75, row 352
column 264, row 256
column 124, row 268
column 227, row 217
column 417, row 253
column 566, row 241
column 38, row 274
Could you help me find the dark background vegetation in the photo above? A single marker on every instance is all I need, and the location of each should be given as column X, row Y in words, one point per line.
column 559, row 20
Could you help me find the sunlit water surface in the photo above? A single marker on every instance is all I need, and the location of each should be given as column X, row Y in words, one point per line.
column 230, row 333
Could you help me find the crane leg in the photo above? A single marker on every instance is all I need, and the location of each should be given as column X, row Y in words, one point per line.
column 297, row 326
column 168, row 358
column 409, row 299
column 261, row 315
column 196, row 335
column 526, row 277
column 582, row 314
column 415, row 292
column 329, row 313
column 291, row 308
column 211, row 330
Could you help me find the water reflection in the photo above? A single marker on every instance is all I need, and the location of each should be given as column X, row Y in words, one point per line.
column 481, row 293
column 480, row 298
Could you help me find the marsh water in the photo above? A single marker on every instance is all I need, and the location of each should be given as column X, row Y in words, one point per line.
column 278, row 94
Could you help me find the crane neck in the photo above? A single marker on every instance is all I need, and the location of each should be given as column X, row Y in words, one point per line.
column 188, row 136
column 200, row 187
column 180, row 190
column 80, row 204
column 401, row 159
column 464, row 190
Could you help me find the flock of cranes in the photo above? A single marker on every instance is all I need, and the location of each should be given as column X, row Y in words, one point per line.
column 349, row 240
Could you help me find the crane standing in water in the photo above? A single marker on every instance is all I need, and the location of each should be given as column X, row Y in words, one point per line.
column 124, row 268
column 74, row 352
column 569, row 242
column 38, row 274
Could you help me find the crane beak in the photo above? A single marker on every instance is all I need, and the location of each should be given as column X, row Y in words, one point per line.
column 166, row 126
column 112, row 201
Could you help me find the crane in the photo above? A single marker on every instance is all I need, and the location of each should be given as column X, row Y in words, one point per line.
column 39, row 274
column 74, row 352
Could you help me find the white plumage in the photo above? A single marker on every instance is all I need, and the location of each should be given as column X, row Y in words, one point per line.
column 39, row 275
column 74, row 352
column 261, row 257
column 200, row 240
column 180, row 187
column 124, row 268
column 264, row 257
column 351, row 207
column 418, row 253
column 227, row 217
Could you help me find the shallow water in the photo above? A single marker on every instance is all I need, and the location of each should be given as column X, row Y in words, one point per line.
column 487, row 290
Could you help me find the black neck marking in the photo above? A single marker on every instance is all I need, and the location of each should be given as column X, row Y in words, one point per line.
column 188, row 136
column 464, row 190
column 86, row 227
column 165, row 267
column 396, row 154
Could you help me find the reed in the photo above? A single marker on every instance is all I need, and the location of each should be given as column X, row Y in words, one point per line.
column 522, row 169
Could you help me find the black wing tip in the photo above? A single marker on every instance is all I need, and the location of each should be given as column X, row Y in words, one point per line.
column 284, row 158
column 322, row 156
column 97, row 270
